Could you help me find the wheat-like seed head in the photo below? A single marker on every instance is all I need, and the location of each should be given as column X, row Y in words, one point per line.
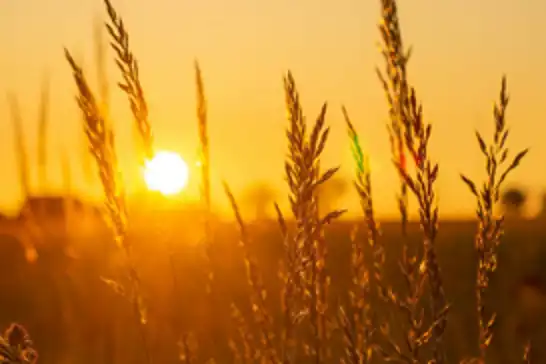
column 100, row 141
column 409, row 134
column 490, row 227
column 358, row 326
column 102, row 67
column 204, row 159
column 202, row 122
column 395, row 86
column 304, row 178
column 422, row 185
column 131, row 85
column 16, row 347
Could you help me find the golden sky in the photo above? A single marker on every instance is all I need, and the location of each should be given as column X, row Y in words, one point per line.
column 461, row 49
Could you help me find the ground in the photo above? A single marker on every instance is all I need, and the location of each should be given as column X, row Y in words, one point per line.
column 71, row 313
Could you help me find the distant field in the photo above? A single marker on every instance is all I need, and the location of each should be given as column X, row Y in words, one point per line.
column 69, row 311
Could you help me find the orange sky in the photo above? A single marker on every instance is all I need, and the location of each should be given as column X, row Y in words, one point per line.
column 461, row 49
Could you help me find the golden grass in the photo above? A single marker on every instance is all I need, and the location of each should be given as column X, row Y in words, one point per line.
column 308, row 330
column 357, row 321
column 20, row 145
column 396, row 89
column 490, row 229
column 16, row 346
column 409, row 136
column 101, row 62
column 258, row 294
column 204, row 150
column 43, row 118
column 303, row 178
column 130, row 84
column 204, row 163
column 101, row 145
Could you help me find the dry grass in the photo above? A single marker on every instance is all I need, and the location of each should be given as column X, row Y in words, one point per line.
column 131, row 86
column 204, row 163
column 101, row 145
column 303, row 178
column 204, row 150
column 358, row 326
column 258, row 294
column 17, row 347
column 490, row 226
column 43, row 118
column 101, row 62
column 33, row 231
column 307, row 329
column 410, row 135
column 20, row 145
column 396, row 88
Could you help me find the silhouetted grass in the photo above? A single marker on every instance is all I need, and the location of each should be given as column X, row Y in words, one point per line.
column 349, row 293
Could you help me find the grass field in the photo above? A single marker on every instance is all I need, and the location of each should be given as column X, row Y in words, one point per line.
column 75, row 318
column 164, row 287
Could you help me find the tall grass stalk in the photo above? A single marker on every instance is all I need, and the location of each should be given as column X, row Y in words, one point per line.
column 87, row 161
column 243, row 349
column 67, row 187
column 358, row 325
column 422, row 185
column 291, row 289
column 130, row 84
column 101, row 62
column 204, row 162
column 43, row 119
column 303, row 177
column 20, row 146
column 30, row 226
column 490, row 224
column 396, row 90
column 101, row 70
column 258, row 294
column 363, row 186
column 204, row 152
column 100, row 137
column 65, row 170
column 205, row 196
column 410, row 132
column 410, row 135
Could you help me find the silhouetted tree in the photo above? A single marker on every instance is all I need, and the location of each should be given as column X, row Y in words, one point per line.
column 261, row 197
column 513, row 201
column 331, row 192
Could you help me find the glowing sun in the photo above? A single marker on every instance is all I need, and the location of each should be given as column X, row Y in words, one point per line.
column 166, row 173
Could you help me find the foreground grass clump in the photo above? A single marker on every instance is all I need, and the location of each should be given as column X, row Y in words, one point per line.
column 373, row 319
column 16, row 346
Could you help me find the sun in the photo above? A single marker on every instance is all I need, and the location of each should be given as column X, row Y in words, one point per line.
column 166, row 173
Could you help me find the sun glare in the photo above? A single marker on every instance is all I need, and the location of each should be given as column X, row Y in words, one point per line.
column 166, row 173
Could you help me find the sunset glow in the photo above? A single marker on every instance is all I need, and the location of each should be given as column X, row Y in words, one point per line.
column 166, row 173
